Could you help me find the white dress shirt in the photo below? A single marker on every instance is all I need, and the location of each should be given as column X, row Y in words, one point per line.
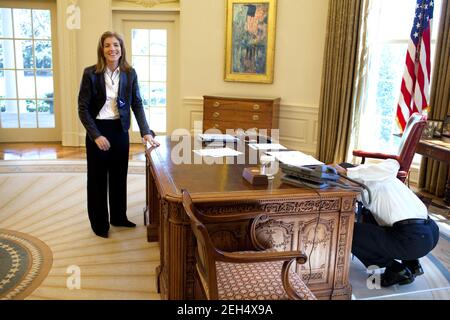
column 392, row 200
column 109, row 110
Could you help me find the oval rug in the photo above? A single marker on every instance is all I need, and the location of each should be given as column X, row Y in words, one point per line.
column 24, row 263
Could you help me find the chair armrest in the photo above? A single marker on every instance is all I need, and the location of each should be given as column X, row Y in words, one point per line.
column 374, row 155
column 260, row 256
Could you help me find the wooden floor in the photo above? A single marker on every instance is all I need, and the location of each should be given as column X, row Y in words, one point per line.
column 54, row 151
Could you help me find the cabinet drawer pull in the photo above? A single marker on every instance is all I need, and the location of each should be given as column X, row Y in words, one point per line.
column 256, row 107
column 216, row 104
column 217, row 126
column 255, row 117
column 216, row 114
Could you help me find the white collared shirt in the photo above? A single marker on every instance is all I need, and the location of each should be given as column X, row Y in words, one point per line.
column 392, row 200
column 109, row 110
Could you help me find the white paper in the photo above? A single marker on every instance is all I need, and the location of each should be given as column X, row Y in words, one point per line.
column 267, row 146
column 217, row 152
column 217, row 137
column 295, row 158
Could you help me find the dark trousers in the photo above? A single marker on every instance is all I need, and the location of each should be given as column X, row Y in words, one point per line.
column 107, row 175
column 380, row 246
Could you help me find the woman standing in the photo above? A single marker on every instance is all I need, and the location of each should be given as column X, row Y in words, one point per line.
column 108, row 90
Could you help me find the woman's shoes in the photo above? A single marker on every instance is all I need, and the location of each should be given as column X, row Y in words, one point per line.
column 102, row 234
column 125, row 223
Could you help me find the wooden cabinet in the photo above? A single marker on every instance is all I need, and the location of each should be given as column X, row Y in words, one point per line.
column 224, row 113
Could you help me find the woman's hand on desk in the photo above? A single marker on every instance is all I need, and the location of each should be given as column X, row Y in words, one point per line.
column 148, row 138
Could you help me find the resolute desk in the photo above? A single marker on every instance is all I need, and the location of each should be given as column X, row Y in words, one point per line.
column 303, row 218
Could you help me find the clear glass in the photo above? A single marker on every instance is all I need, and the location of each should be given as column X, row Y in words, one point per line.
column 26, row 84
column 22, row 23
column 28, row 114
column 43, row 52
column 158, row 94
column 24, row 54
column 157, row 119
column 44, row 84
column 144, row 88
column 46, row 114
column 8, row 84
column 141, row 65
column 42, row 24
column 158, row 42
column 269, row 166
column 7, row 54
column 9, row 114
column 6, row 27
column 139, row 41
column 158, row 69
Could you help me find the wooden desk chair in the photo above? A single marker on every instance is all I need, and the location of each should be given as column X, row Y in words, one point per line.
column 405, row 154
column 244, row 275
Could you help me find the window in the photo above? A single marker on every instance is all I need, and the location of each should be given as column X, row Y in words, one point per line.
column 26, row 69
column 149, row 58
column 389, row 28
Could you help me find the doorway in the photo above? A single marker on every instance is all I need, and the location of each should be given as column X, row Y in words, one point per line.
column 151, row 48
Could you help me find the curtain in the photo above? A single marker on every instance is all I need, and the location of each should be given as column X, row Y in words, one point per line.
column 433, row 174
column 338, row 79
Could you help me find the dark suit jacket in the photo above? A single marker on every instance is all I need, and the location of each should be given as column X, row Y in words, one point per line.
column 92, row 98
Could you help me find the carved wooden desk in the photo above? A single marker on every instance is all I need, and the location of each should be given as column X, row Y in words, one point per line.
column 440, row 151
column 304, row 217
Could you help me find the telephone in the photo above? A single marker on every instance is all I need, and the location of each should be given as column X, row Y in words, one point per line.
column 314, row 173
column 319, row 177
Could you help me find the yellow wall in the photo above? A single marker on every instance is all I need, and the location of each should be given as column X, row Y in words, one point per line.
column 300, row 38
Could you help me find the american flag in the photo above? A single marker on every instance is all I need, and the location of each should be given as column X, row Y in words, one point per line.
column 415, row 90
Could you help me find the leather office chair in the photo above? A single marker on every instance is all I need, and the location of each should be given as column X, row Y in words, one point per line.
column 405, row 154
column 244, row 275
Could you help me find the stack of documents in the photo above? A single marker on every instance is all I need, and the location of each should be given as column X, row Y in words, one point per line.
column 217, row 152
column 266, row 146
column 217, row 137
column 294, row 158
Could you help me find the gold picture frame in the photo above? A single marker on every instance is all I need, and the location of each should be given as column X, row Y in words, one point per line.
column 250, row 40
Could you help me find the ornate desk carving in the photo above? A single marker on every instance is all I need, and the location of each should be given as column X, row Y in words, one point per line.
column 304, row 219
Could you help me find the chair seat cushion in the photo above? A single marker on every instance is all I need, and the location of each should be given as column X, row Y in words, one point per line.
column 257, row 281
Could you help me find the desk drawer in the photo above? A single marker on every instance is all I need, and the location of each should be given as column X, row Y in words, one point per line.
column 249, row 106
column 232, row 125
column 240, row 116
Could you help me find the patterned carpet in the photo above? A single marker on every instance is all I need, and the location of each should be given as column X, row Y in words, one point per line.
column 24, row 263
column 44, row 204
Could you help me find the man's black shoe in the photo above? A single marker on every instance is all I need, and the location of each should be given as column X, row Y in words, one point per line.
column 125, row 223
column 414, row 266
column 389, row 277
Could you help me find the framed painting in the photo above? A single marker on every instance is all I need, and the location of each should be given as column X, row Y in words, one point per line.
column 250, row 40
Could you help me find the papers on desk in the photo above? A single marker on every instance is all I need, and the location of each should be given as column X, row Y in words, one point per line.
column 217, row 137
column 295, row 158
column 217, row 152
column 267, row 146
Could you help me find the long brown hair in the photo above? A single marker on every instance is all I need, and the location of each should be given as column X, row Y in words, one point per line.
column 101, row 62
